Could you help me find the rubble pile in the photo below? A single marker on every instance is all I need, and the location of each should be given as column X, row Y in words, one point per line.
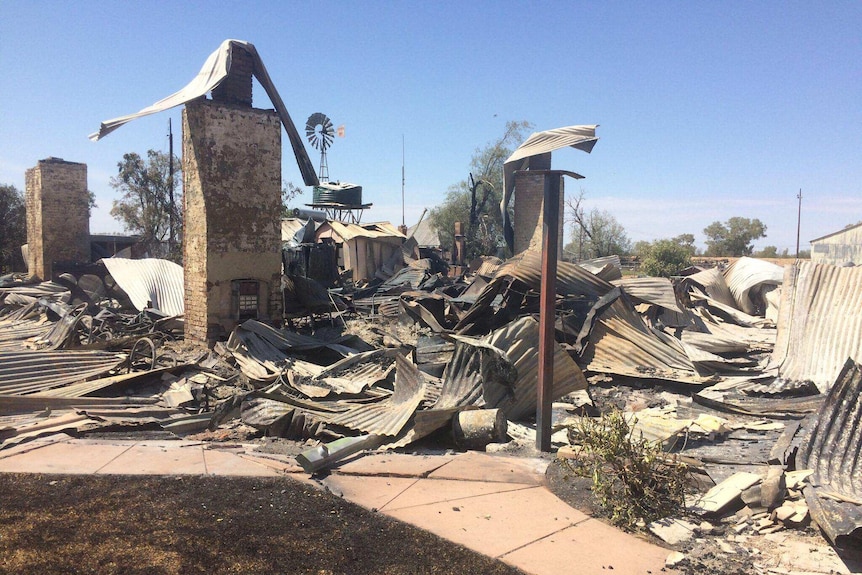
column 709, row 365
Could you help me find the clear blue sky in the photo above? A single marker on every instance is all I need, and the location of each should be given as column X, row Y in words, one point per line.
column 707, row 110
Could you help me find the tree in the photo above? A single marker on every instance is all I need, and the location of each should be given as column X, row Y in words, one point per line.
column 13, row 228
column 485, row 235
column 734, row 237
column 666, row 258
column 768, row 252
column 594, row 234
column 686, row 241
column 144, row 207
column 289, row 192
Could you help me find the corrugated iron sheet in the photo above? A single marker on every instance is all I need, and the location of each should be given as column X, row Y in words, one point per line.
column 520, row 342
column 571, row 278
column 621, row 343
column 656, row 291
column 714, row 285
column 389, row 416
column 834, row 452
column 820, row 322
column 746, row 275
column 38, row 371
column 150, row 282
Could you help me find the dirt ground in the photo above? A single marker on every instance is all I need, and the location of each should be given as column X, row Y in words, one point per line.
column 60, row 524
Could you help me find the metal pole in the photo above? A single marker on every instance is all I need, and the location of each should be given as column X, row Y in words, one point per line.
column 170, row 189
column 403, row 223
column 547, row 306
column 798, row 222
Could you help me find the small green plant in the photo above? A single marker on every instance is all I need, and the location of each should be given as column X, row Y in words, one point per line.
column 633, row 479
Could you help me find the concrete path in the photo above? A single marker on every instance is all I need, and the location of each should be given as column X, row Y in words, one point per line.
column 495, row 505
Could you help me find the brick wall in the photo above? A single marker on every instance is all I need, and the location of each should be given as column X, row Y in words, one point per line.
column 529, row 203
column 236, row 88
column 58, row 219
column 232, row 203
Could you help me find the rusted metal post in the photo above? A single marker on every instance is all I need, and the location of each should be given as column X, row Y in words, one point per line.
column 547, row 305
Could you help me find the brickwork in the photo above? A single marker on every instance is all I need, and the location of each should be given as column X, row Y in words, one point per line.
column 58, row 219
column 236, row 88
column 232, row 203
column 529, row 203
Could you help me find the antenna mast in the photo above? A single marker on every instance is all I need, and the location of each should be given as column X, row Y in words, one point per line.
column 403, row 224
column 171, row 209
column 798, row 221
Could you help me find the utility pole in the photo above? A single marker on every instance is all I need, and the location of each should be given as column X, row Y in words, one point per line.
column 403, row 223
column 798, row 221
column 171, row 210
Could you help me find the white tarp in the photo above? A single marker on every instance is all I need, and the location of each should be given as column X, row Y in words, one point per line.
column 578, row 137
column 213, row 72
column 151, row 282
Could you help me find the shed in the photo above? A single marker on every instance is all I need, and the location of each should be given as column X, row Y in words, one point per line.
column 839, row 248
column 364, row 248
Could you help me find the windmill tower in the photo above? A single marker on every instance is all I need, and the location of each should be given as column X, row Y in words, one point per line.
column 320, row 133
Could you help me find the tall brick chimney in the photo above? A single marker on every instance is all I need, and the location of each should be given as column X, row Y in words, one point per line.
column 232, row 208
column 58, row 215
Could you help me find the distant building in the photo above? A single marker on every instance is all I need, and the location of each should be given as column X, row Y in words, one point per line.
column 839, row 248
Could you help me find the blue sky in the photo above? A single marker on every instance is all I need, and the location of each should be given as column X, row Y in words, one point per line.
column 706, row 110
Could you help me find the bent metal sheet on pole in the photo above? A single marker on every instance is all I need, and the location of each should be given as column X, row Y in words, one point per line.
column 578, row 137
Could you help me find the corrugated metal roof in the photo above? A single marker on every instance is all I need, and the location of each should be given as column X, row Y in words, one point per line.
column 425, row 234
column 745, row 275
column 819, row 323
column 37, row 371
column 375, row 231
column 150, row 282
column 832, row 450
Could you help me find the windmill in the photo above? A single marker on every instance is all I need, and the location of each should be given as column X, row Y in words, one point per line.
column 320, row 133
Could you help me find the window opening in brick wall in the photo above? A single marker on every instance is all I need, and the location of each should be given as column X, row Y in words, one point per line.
column 247, row 298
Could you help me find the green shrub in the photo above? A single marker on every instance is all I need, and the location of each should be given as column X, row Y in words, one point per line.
column 633, row 479
column 665, row 258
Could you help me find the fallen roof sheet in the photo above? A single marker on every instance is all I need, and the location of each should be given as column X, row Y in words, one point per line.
column 388, row 417
column 212, row 74
column 621, row 343
column 746, row 276
column 38, row 371
column 820, row 322
column 834, row 452
column 656, row 291
column 150, row 283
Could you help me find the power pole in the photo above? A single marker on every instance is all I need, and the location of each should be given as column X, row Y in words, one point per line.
column 798, row 221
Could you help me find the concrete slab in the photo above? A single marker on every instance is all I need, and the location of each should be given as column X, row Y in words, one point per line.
column 152, row 458
column 226, row 463
column 494, row 524
column 37, row 443
column 428, row 491
column 394, row 464
column 476, row 466
column 282, row 464
column 596, row 548
column 369, row 492
column 63, row 457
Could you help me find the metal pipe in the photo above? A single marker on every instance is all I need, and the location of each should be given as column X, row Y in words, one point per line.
column 547, row 307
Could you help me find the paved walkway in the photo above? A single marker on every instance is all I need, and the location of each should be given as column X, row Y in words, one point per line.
column 495, row 505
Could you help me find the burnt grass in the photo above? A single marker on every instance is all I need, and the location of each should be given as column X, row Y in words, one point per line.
column 204, row 524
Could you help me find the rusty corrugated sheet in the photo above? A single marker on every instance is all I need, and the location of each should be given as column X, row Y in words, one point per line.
column 621, row 343
column 520, row 342
column 571, row 278
column 38, row 371
column 834, row 452
column 389, row 416
column 746, row 276
column 656, row 291
column 820, row 322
